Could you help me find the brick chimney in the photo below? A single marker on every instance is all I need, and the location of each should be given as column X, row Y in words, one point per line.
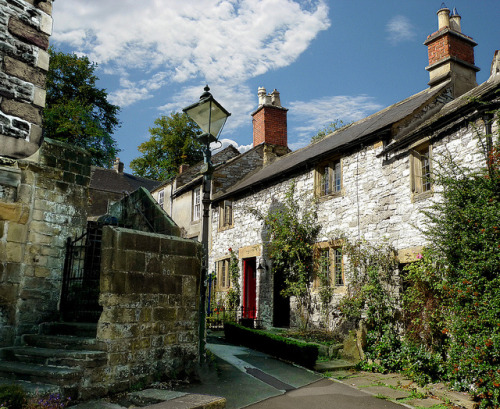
column 269, row 120
column 451, row 54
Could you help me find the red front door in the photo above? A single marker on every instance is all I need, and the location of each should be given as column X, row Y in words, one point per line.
column 249, row 288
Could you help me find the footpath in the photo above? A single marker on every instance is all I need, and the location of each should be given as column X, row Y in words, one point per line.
column 239, row 377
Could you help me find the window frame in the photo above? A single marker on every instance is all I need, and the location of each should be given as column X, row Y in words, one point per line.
column 196, row 205
column 329, row 178
column 335, row 255
column 223, row 276
column 226, row 212
column 161, row 198
column 421, row 170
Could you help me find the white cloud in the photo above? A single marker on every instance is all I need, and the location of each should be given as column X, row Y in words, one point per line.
column 224, row 143
column 223, row 41
column 400, row 29
column 316, row 114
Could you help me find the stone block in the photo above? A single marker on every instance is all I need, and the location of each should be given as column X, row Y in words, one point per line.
column 46, row 24
column 23, row 71
column 28, row 33
column 22, row 110
column 17, row 233
column 15, row 212
column 39, row 97
column 165, row 314
column 45, row 6
column 135, row 261
column 14, row 252
column 43, row 60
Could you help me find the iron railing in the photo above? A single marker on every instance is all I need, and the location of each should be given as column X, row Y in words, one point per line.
column 218, row 316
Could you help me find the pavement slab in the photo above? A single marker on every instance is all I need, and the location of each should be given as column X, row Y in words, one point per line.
column 323, row 394
column 424, row 403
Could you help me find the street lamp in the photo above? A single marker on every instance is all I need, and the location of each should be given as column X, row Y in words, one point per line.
column 210, row 116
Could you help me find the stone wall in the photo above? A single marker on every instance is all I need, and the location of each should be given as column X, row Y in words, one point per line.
column 375, row 204
column 43, row 201
column 149, row 295
column 25, row 27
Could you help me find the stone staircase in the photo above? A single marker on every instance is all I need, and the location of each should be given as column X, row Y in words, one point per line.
column 56, row 360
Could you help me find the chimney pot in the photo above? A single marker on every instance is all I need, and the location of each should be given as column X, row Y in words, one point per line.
column 118, row 166
column 262, row 95
column 455, row 21
column 275, row 98
column 443, row 17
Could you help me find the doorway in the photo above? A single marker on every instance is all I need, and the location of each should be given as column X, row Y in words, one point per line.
column 249, row 288
column 281, row 307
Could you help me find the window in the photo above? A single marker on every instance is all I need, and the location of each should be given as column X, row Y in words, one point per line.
column 226, row 214
column 329, row 178
column 196, row 204
column 161, row 198
column 223, row 278
column 420, row 162
column 329, row 264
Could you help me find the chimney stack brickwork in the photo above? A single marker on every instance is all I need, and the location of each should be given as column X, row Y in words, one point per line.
column 270, row 120
column 451, row 54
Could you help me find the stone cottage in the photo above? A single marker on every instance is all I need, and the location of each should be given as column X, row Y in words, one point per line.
column 370, row 179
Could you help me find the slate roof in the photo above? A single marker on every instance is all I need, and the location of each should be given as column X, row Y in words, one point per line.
column 356, row 133
column 110, row 180
column 463, row 106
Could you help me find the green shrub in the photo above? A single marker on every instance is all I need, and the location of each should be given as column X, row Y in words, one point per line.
column 12, row 396
column 298, row 352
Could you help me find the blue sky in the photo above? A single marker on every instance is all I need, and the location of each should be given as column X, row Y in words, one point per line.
column 336, row 59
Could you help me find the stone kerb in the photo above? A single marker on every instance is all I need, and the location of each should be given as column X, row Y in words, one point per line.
column 149, row 295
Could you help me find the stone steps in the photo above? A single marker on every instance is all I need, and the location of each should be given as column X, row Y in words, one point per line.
column 54, row 360
column 53, row 375
column 62, row 342
column 31, row 388
column 54, row 357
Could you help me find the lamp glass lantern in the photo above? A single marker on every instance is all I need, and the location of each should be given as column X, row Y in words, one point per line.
column 209, row 115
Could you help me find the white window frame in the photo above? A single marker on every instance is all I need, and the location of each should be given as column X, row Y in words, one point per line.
column 196, row 204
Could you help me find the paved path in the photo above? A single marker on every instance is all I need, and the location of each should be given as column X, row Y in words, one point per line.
column 247, row 378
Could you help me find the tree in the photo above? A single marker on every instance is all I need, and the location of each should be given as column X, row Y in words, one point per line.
column 172, row 143
column 327, row 130
column 76, row 111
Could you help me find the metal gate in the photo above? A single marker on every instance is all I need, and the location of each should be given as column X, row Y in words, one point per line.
column 82, row 270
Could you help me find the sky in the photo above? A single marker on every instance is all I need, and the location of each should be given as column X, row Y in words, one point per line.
column 329, row 59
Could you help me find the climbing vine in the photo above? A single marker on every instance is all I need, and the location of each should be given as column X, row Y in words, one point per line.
column 292, row 231
column 233, row 294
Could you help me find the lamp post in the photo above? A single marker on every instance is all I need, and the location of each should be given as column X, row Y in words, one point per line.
column 210, row 116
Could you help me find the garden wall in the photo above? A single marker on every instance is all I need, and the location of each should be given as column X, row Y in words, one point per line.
column 149, row 295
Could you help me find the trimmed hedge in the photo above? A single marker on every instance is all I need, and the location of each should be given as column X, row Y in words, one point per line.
column 298, row 352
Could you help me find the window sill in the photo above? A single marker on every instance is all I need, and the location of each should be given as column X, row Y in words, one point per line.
column 225, row 227
column 418, row 197
column 323, row 198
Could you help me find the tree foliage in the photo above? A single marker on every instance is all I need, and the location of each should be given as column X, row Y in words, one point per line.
column 172, row 143
column 77, row 111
